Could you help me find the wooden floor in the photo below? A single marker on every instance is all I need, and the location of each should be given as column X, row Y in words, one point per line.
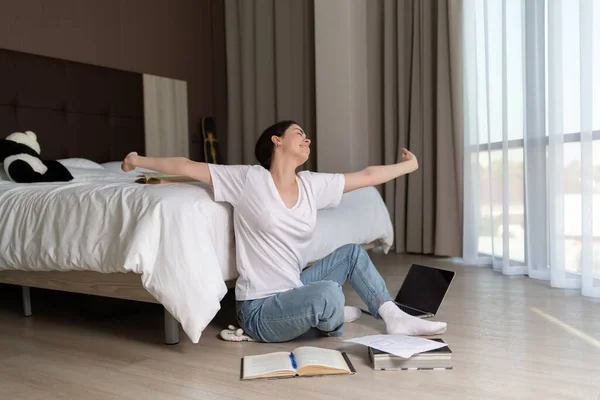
column 512, row 338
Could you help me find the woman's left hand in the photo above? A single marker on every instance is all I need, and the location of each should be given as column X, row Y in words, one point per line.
column 376, row 175
column 407, row 156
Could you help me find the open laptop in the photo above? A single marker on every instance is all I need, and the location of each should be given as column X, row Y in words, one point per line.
column 423, row 290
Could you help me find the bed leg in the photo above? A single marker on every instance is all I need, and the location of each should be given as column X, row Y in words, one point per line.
column 26, row 301
column 171, row 329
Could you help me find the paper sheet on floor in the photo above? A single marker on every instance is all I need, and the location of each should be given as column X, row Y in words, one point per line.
column 400, row 345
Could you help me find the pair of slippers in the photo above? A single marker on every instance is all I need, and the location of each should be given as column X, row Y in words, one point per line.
column 234, row 334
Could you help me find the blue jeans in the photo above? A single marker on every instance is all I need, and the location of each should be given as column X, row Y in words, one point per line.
column 319, row 303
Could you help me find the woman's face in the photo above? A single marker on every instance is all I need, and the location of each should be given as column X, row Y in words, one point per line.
column 294, row 144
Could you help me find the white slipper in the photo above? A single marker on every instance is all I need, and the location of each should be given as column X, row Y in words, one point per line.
column 233, row 334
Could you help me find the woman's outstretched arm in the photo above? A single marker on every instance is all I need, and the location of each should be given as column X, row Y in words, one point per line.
column 376, row 175
column 169, row 165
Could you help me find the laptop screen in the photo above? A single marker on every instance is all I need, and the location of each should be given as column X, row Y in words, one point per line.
column 424, row 288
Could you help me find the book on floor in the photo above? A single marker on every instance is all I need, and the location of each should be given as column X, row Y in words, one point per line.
column 303, row 361
column 440, row 358
column 155, row 178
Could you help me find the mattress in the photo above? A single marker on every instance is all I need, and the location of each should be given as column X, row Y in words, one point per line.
column 175, row 236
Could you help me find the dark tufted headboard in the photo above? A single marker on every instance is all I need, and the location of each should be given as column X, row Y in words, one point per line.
column 76, row 110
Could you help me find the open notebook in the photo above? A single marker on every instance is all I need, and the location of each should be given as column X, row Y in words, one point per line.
column 301, row 362
column 157, row 178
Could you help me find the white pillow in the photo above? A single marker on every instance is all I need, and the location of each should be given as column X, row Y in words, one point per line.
column 3, row 176
column 81, row 163
column 115, row 167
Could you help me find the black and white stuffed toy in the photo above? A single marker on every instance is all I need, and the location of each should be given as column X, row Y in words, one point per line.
column 20, row 154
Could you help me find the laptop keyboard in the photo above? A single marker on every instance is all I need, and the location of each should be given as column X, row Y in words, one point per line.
column 409, row 311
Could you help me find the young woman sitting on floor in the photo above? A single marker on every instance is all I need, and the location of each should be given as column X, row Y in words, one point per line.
column 275, row 211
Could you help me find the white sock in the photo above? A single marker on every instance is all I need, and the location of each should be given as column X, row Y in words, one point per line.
column 400, row 323
column 351, row 314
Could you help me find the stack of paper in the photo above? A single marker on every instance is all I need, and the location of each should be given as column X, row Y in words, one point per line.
column 399, row 345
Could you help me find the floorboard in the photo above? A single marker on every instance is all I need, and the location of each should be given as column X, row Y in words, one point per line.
column 512, row 338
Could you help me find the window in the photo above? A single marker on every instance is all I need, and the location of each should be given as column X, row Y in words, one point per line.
column 502, row 63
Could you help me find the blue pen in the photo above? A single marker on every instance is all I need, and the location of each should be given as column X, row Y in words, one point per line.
column 294, row 365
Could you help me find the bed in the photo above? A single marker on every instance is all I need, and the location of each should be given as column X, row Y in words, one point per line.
column 103, row 234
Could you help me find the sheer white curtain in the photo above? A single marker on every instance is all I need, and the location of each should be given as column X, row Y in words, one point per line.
column 532, row 139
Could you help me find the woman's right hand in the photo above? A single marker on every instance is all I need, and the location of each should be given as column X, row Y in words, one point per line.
column 129, row 162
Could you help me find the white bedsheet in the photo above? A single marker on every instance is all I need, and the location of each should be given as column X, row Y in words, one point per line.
column 362, row 217
column 176, row 236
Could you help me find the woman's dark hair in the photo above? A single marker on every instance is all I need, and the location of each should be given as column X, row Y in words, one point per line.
column 263, row 151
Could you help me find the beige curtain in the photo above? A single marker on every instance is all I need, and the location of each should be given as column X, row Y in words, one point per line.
column 270, row 71
column 415, row 102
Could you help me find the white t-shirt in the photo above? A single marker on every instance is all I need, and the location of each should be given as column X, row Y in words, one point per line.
column 272, row 240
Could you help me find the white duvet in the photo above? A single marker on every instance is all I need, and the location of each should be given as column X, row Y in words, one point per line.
column 176, row 236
